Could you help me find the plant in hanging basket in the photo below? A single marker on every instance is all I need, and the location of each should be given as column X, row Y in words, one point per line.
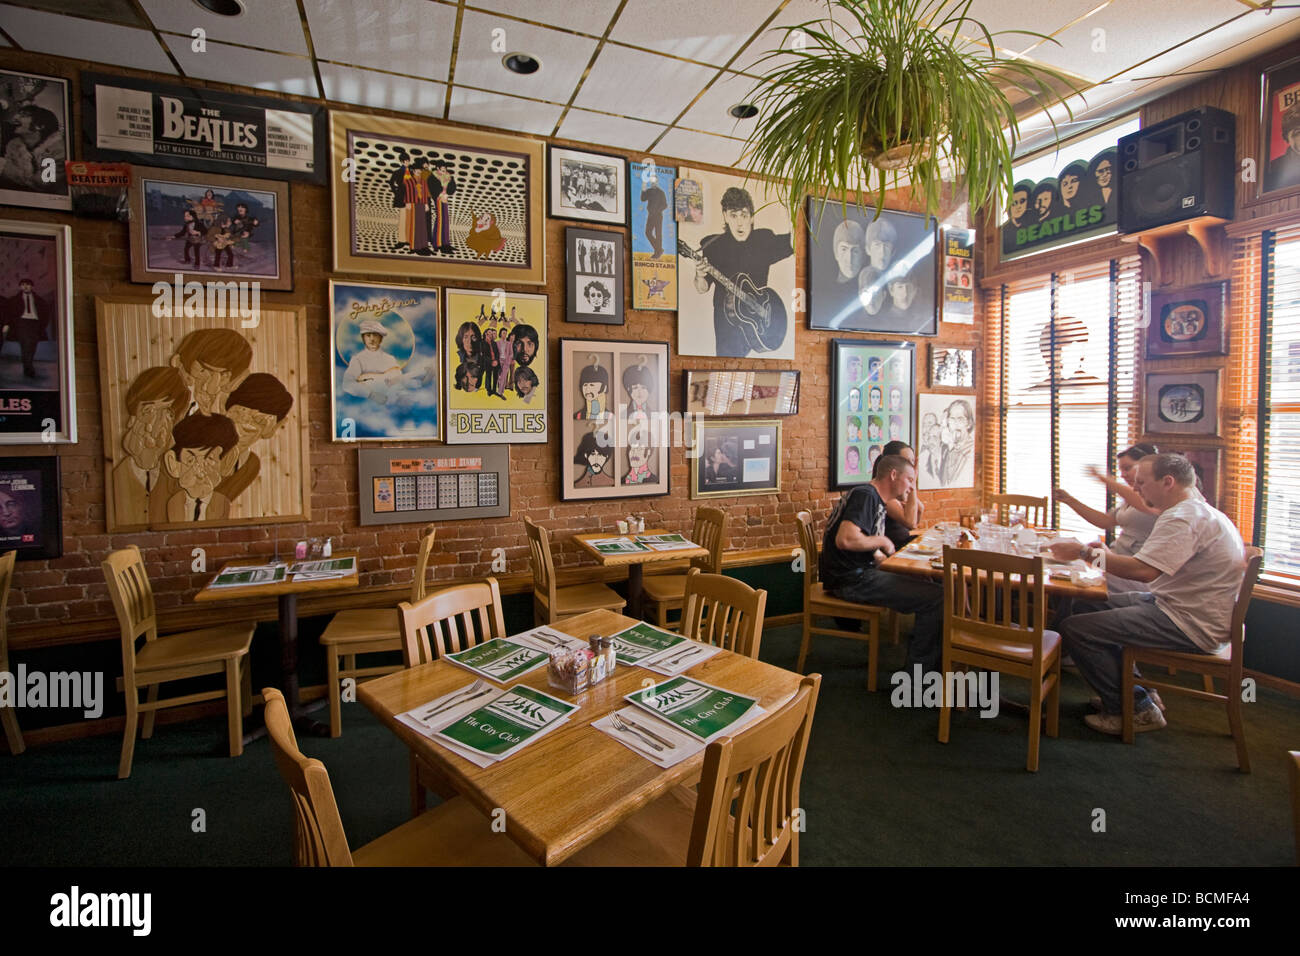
column 913, row 92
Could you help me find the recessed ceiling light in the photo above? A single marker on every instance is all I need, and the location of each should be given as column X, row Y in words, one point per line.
column 222, row 8
column 744, row 111
column 521, row 63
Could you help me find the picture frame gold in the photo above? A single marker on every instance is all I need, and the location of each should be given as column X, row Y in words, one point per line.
column 723, row 470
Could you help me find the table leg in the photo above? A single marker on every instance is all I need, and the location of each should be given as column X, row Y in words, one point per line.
column 634, row 592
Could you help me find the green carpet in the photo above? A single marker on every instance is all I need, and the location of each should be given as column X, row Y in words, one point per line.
column 878, row 789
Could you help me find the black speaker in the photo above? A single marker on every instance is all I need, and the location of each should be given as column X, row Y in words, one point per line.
column 1179, row 169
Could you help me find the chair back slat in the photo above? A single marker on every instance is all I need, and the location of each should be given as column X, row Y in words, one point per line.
column 6, row 580
column 541, row 564
column 709, row 532
column 1237, row 633
column 808, row 543
column 997, row 596
column 458, row 617
column 128, row 585
column 749, row 788
column 724, row 612
column 419, row 583
column 319, row 839
column 1036, row 510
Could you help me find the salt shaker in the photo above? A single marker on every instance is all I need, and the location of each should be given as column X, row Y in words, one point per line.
column 611, row 657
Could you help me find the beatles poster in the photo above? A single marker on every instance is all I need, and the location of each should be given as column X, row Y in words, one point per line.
column 384, row 340
column 1281, row 127
column 959, row 276
column 872, row 387
column 496, row 365
column 1078, row 203
column 33, row 140
column 654, row 237
column 180, row 127
column 30, row 506
column 735, row 272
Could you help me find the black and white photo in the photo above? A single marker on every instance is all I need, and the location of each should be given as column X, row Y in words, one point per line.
column 587, row 186
column 594, row 270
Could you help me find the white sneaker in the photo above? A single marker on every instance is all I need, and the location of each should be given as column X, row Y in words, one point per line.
column 1113, row 724
column 1154, row 695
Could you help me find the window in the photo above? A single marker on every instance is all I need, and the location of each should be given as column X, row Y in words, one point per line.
column 1279, row 510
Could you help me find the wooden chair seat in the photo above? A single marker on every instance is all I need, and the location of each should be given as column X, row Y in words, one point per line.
column 364, row 626
column 551, row 603
column 827, row 604
column 667, row 592
column 664, row 587
column 581, row 598
column 1007, row 650
column 454, row 833
column 211, row 645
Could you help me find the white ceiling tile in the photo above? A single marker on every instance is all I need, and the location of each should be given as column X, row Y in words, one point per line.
column 382, row 91
column 270, row 24
column 503, row 112
column 401, row 36
column 709, row 112
column 1007, row 16
column 588, row 127
column 84, row 39
column 700, row 148
column 589, row 16
column 708, row 32
column 641, row 84
column 563, row 56
column 224, row 63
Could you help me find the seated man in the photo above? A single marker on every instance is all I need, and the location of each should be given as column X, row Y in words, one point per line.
column 902, row 516
column 1193, row 564
column 855, row 541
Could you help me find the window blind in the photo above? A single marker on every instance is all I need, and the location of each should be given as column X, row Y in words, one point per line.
column 1281, row 474
column 1241, row 414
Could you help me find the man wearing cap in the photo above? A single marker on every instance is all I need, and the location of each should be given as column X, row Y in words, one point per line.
column 370, row 364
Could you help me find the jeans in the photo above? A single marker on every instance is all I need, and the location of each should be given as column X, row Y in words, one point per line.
column 911, row 596
column 1095, row 634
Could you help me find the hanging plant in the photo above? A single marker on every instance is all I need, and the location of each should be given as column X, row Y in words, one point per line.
column 907, row 97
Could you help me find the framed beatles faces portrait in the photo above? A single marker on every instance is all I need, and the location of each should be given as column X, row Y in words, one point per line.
column 1188, row 321
column 588, row 186
column 614, row 419
column 739, row 394
column 594, row 269
column 736, row 458
column 872, row 390
column 424, row 200
column 37, row 387
column 31, row 521
column 34, row 130
column 1182, row 403
column 1279, row 130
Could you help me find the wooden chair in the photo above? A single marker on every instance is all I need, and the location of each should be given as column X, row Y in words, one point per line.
column 458, row 617
column 551, row 603
column 667, row 592
column 367, row 631
column 994, row 618
column 1036, row 510
column 212, row 650
column 817, row 603
column 453, row 834
column 1293, row 771
column 746, row 810
column 723, row 611
column 1226, row 664
column 8, row 715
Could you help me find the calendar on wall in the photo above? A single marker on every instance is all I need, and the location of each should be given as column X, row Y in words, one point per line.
column 433, row 483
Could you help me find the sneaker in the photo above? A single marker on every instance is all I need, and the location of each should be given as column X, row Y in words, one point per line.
column 1113, row 724
column 1154, row 695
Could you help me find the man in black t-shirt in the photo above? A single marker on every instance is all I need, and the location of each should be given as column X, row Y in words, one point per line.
column 855, row 543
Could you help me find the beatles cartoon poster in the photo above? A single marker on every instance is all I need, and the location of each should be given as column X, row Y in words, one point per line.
column 385, row 343
column 735, row 272
column 1080, row 201
column 204, row 418
column 654, row 237
column 496, row 364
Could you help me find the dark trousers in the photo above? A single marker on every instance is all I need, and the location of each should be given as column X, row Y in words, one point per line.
column 910, row 596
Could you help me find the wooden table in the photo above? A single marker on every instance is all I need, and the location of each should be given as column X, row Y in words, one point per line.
column 576, row 783
column 286, row 594
column 906, row 561
column 635, row 562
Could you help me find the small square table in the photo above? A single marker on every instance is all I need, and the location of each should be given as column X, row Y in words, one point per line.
column 635, row 562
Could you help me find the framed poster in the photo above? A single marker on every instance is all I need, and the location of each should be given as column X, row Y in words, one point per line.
column 1279, row 129
column 1080, row 201
column 654, row 236
column 34, row 140
column 594, row 270
column 958, row 276
column 871, row 275
column 614, row 415
column 1182, row 403
column 384, row 341
column 736, row 272
column 740, row 394
column 131, row 120
column 194, row 407
column 37, row 382
column 1205, row 462
column 31, row 505
column 591, row 187
column 496, row 364
column 945, row 450
column 433, row 483
column 1188, row 322
column 203, row 226
column 951, row 367
column 428, row 200
column 736, row 458
column 872, row 386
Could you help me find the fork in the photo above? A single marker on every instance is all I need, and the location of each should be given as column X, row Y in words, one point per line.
column 622, row 727
column 451, row 701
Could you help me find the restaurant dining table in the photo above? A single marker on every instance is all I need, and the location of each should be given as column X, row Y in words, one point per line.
column 918, row 562
column 286, row 594
column 576, row 783
column 635, row 562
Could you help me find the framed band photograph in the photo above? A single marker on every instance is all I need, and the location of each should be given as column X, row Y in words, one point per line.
column 951, row 367
column 1279, row 130
column 34, row 140
column 740, row 394
column 613, row 419
column 31, row 521
column 1182, row 403
column 594, row 270
column 872, row 391
column 37, row 380
column 736, row 458
column 1188, row 322
column 587, row 186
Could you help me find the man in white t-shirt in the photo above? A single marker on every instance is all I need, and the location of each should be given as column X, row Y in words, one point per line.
column 1192, row 563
